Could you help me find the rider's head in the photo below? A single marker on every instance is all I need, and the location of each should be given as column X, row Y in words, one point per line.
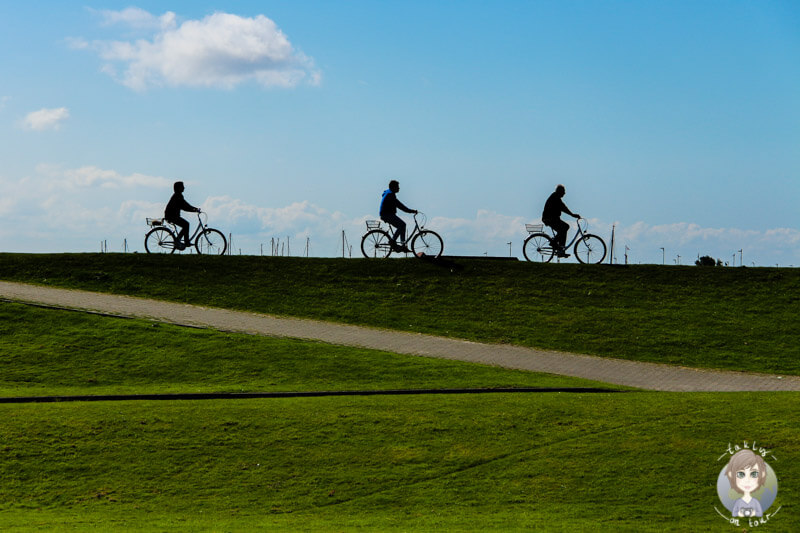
column 561, row 190
column 178, row 186
column 394, row 186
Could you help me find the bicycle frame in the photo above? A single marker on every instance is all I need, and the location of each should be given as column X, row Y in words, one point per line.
column 201, row 226
column 581, row 231
column 417, row 229
column 410, row 236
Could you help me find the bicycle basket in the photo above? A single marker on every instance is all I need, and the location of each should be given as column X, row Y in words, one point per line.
column 534, row 228
column 373, row 224
column 155, row 222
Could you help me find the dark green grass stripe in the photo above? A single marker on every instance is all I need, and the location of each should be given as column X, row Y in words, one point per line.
column 292, row 394
column 103, row 314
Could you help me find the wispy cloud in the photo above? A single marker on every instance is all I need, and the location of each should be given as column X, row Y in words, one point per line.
column 137, row 18
column 221, row 50
column 689, row 240
column 45, row 119
column 300, row 218
column 94, row 177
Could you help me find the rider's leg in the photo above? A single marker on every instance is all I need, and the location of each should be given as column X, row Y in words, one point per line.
column 184, row 232
column 400, row 227
column 561, row 228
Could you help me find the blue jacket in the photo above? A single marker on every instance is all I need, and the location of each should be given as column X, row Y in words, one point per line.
column 390, row 203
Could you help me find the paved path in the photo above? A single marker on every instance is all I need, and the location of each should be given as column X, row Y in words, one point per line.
column 615, row 371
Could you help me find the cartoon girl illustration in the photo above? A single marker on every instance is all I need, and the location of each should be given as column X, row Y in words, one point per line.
column 746, row 473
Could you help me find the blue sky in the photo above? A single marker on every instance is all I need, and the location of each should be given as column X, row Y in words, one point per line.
column 677, row 121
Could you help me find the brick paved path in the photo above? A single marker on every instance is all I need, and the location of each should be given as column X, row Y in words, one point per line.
column 614, row 371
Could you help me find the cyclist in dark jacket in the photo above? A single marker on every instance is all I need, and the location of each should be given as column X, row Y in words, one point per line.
column 551, row 216
column 388, row 212
column 172, row 213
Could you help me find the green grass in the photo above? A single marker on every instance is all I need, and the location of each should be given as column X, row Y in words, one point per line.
column 509, row 462
column 729, row 318
column 638, row 461
column 56, row 352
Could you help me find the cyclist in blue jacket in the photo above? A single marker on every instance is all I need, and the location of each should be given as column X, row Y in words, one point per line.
column 388, row 212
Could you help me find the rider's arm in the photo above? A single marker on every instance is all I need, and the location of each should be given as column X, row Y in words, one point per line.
column 566, row 210
column 404, row 208
column 189, row 207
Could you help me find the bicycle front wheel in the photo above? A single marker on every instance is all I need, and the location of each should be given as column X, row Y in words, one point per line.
column 590, row 249
column 427, row 242
column 211, row 242
column 538, row 247
column 376, row 244
column 159, row 241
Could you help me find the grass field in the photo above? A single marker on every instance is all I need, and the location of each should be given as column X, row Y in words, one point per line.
column 509, row 462
column 59, row 353
column 729, row 318
column 632, row 461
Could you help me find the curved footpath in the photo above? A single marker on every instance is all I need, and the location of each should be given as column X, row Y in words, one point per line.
column 615, row 371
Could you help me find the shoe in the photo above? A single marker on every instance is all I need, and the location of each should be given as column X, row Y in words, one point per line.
column 405, row 249
column 562, row 254
column 180, row 246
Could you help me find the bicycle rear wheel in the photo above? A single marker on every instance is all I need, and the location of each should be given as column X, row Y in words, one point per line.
column 538, row 247
column 376, row 244
column 590, row 249
column 159, row 241
column 211, row 242
column 428, row 243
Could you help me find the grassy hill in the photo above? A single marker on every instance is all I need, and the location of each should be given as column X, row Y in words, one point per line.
column 46, row 352
column 633, row 461
column 729, row 318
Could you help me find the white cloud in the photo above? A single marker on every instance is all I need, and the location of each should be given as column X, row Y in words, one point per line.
column 690, row 240
column 45, row 119
column 298, row 217
column 138, row 18
column 94, row 177
column 220, row 50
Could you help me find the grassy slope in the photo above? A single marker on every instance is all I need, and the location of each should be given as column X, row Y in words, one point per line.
column 624, row 462
column 732, row 318
column 52, row 352
column 630, row 462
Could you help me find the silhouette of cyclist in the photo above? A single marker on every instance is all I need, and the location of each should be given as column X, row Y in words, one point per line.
column 388, row 212
column 172, row 214
column 551, row 216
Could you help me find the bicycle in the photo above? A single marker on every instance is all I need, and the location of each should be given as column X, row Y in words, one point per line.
column 376, row 242
column 540, row 247
column 163, row 240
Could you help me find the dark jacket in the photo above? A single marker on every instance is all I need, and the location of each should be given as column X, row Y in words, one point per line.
column 175, row 205
column 390, row 203
column 553, row 208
